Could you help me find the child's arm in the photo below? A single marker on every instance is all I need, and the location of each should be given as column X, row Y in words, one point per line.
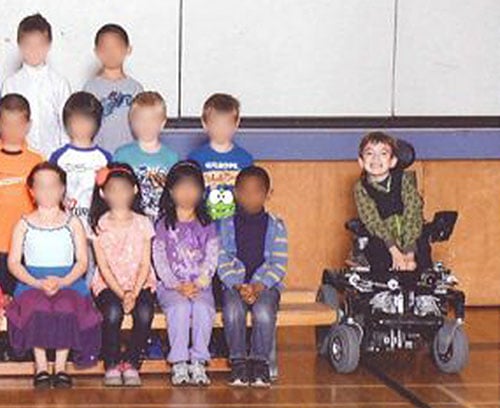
column 369, row 216
column 63, row 95
column 273, row 270
column 162, row 265
column 105, row 270
column 413, row 218
column 15, row 258
column 144, row 267
column 209, row 264
column 80, row 241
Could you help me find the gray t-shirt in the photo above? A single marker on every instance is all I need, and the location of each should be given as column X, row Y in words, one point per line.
column 116, row 98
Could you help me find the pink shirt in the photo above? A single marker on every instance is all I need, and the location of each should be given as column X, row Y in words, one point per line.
column 123, row 248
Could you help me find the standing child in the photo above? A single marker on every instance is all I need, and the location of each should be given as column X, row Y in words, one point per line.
column 52, row 307
column 16, row 161
column 148, row 156
column 113, row 87
column 124, row 281
column 388, row 204
column 185, row 253
column 221, row 159
column 44, row 88
column 252, row 265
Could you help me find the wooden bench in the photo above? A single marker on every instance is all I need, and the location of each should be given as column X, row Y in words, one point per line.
column 297, row 308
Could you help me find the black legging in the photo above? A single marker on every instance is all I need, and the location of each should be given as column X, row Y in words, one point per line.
column 111, row 309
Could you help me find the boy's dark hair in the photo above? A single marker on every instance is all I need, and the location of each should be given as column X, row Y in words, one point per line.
column 254, row 171
column 99, row 206
column 221, row 102
column 15, row 103
column 183, row 170
column 376, row 138
column 35, row 22
column 86, row 104
column 113, row 29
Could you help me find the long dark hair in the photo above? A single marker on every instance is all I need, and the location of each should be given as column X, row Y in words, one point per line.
column 30, row 180
column 99, row 206
column 181, row 171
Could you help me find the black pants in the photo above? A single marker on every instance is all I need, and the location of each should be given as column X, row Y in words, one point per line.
column 7, row 281
column 380, row 259
column 112, row 312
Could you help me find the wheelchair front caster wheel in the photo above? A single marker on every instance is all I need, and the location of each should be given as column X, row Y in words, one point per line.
column 344, row 348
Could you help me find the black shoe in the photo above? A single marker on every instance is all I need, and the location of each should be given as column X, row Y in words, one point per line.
column 260, row 376
column 62, row 380
column 41, row 380
column 239, row 373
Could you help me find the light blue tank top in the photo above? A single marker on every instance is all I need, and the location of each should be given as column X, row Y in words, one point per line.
column 48, row 247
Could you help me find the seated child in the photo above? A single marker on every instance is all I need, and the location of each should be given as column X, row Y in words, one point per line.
column 81, row 158
column 43, row 87
column 16, row 161
column 113, row 87
column 221, row 159
column 185, row 253
column 388, row 204
column 252, row 265
column 52, row 307
column 124, row 281
column 148, row 156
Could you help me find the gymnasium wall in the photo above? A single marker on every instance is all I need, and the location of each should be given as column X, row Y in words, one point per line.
column 322, row 58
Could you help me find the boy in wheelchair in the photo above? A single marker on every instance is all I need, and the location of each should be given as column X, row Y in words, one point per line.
column 389, row 206
column 392, row 296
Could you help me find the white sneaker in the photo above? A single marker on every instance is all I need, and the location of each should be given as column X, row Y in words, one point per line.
column 113, row 377
column 198, row 373
column 180, row 374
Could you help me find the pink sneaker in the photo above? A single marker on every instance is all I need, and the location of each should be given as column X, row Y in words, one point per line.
column 130, row 375
column 113, row 377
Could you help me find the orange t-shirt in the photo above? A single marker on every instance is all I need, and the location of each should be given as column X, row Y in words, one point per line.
column 14, row 196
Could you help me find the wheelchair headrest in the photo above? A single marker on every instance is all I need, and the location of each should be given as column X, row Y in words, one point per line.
column 405, row 152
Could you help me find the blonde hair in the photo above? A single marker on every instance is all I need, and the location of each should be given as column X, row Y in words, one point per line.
column 148, row 99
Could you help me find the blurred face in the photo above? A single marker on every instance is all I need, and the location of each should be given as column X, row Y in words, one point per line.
column 34, row 47
column 14, row 127
column 112, row 50
column 251, row 194
column 119, row 193
column 377, row 159
column 186, row 194
column 81, row 128
column 221, row 126
column 47, row 190
column 147, row 122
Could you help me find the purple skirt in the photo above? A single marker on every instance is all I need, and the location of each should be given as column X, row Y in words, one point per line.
column 66, row 320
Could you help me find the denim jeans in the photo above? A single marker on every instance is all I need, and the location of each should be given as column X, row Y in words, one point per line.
column 263, row 312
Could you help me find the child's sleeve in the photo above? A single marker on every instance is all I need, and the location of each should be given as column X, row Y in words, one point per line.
column 230, row 270
column 413, row 218
column 369, row 216
column 63, row 95
column 209, row 264
column 273, row 270
column 162, row 265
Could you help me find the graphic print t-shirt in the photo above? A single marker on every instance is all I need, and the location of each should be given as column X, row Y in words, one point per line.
column 116, row 98
column 81, row 166
column 151, row 169
column 220, row 171
column 15, row 200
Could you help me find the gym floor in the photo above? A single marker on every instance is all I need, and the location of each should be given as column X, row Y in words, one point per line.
column 395, row 381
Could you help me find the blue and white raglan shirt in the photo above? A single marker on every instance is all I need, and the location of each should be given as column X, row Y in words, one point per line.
column 81, row 166
column 151, row 170
column 220, row 171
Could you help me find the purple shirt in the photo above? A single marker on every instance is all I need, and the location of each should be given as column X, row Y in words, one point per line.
column 189, row 253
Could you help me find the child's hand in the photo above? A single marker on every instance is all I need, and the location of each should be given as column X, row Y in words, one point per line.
column 128, row 301
column 51, row 285
column 398, row 259
column 411, row 265
column 256, row 290
column 188, row 289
